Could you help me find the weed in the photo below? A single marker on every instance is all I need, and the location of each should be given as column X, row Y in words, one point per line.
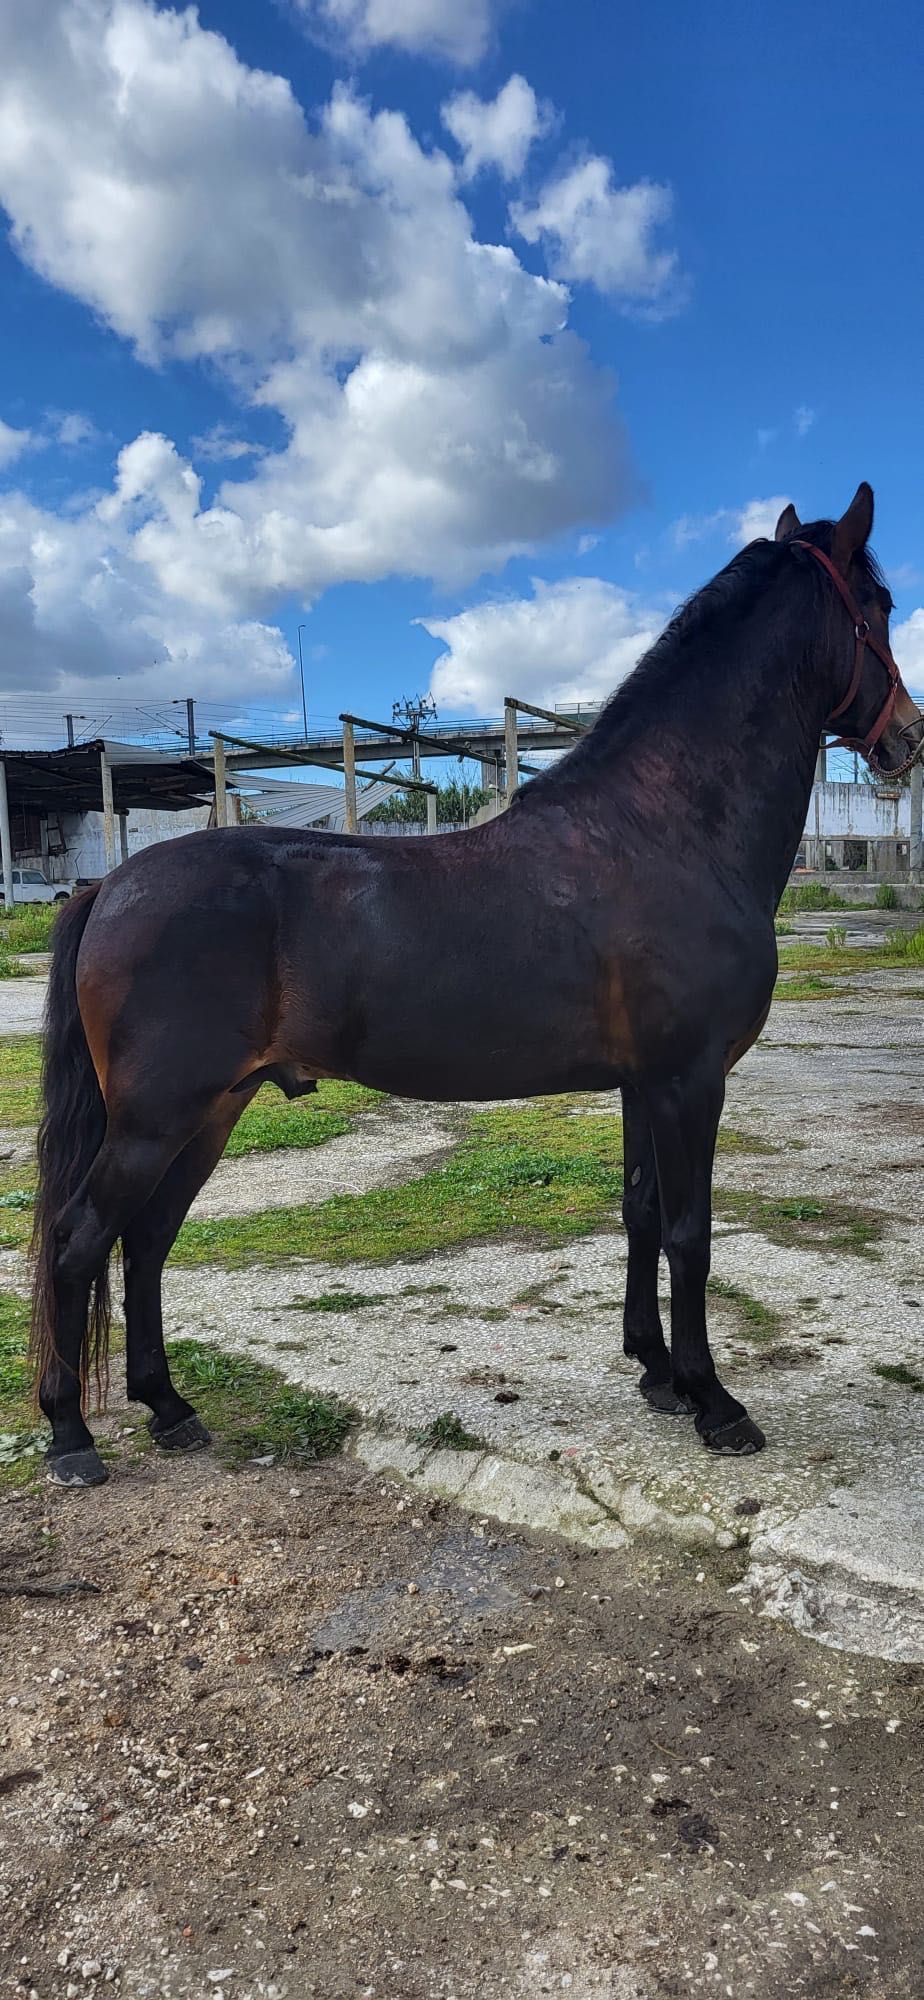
column 252, row 1411
column 810, row 896
column 448, row 1433
column 836, row 937
column 886, row 897
column 28, row 926
column 336, row 1302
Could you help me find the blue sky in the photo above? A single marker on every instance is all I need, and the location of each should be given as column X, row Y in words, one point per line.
column 259, row 364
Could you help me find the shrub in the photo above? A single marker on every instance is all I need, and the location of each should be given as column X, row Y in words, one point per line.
column 810, row 896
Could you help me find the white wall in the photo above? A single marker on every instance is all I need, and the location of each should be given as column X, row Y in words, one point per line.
column 837, row 812
column 86, row 849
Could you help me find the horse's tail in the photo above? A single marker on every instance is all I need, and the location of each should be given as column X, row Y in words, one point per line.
column 70, row 1135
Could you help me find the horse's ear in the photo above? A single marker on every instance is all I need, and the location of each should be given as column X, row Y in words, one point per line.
column 853, row 530
column 788, row 524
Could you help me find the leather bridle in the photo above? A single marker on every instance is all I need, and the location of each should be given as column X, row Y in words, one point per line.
column 864, row 637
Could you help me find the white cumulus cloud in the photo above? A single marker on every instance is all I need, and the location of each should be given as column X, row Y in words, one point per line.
column 569, row 642
column 739, row 524
column 908, row 647
column 497, row 132
column 758, row 518
column 597, row 233
column 456, row 31
column 12, row 444
column 438, row 414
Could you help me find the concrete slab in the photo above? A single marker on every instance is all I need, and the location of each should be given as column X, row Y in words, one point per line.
column 22, row 1004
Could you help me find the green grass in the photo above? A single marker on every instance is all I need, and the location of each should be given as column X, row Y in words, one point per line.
column 900, row 948
column 272, row 1121
column 20, row 1071
column 803, row 1221
column 810, row 896
column 758, row 1322
column 807, row 986
column 448, row 1433
column 886, row 897
column 550, row 1169
column 901, row 1375
column 336, row 1302
column 12, row 968
column 251, row 1411
column 538, row 1170
column 22, row 1437
column 28, row 926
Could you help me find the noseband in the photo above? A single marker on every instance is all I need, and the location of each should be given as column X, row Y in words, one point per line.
column 864, row 638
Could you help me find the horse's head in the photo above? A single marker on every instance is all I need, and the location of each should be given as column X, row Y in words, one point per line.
column 871, row 705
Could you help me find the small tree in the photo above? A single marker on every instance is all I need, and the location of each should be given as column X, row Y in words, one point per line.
column 456, row 804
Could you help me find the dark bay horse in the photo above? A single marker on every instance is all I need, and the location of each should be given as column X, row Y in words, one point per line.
column 613, row 929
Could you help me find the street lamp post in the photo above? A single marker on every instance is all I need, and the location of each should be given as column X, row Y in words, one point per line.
column 301, row 675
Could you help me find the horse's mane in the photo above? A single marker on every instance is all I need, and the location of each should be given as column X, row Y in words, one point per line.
column 667, row 676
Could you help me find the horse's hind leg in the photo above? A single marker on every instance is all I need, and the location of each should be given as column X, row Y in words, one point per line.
column 643, row 1335
column 146, row 1244
column 684, row 1114
column 124, row 1173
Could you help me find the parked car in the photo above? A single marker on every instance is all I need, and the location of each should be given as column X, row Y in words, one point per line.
column 30, row 885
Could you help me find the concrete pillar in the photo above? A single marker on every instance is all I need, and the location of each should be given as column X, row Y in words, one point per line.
column 6, row 841
column 821, row 765
column 123, row 836
column 221, row 789
column 349, row 771
column 109, row 837
column 510, row 750
column 916, row 852
column 431, row 811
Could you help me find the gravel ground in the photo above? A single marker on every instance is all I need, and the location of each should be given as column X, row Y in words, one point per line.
column 311, row 1735
column 398, row 1143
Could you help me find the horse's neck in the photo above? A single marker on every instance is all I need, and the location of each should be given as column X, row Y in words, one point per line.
column 741, row 773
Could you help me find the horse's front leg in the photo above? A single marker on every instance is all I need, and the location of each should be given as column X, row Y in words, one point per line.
column 643, row 1335
column 684, row 1113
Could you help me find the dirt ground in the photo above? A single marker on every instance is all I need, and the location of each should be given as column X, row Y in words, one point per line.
column 297, row 1734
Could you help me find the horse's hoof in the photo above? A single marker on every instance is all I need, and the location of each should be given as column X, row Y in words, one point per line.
column 77, row 1468
column 189, row 1434
column 663, row 1397
column 737, row 1439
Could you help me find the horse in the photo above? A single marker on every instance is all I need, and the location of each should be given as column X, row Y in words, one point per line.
column 613, row 929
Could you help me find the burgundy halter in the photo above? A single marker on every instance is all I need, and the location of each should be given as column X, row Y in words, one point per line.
column 864, row 638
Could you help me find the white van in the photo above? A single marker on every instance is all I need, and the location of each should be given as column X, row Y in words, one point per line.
column 31, row 886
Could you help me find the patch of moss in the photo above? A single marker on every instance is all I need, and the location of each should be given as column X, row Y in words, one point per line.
column 758, row 1322
column 803, row 1219
column 901, row 1375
